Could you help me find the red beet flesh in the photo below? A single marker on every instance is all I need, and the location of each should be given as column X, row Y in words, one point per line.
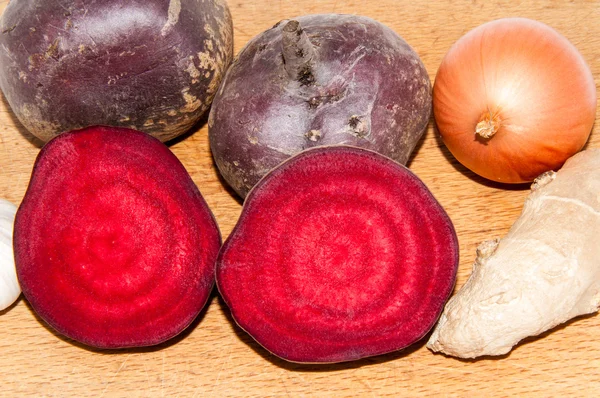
column 339, row 254
column 114, row 245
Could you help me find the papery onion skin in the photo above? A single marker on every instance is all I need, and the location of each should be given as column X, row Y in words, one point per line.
column 530, row 79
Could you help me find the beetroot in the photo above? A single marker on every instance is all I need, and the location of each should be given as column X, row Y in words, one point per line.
column 114, row 245
column 339, row 254
column 317, row 80
column 153, row 65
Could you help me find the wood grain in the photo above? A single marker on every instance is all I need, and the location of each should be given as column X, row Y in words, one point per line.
column 215, row 358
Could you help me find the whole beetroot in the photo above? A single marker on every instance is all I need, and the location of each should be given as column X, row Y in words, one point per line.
column 152, row 65
column 317, row 80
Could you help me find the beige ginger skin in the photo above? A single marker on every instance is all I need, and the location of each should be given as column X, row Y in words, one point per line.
column 545, row 271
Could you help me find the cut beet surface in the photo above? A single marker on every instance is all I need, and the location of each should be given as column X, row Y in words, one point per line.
column 114, row 245
column 339, row 254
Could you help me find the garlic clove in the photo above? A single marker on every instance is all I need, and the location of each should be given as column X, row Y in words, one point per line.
column 9, row 285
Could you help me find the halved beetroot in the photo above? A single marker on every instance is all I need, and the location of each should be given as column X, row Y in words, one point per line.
column 340, row 253
column 114, row 245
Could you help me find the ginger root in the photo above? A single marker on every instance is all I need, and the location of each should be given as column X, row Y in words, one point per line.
column 545, row 271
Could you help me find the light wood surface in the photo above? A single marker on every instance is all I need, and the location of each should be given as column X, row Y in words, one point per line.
column 214, row 358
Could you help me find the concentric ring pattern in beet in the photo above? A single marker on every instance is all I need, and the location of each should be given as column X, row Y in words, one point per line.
column 339, row 254
column 114, row 245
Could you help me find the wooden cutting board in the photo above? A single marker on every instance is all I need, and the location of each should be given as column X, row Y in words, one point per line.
column 214, row 358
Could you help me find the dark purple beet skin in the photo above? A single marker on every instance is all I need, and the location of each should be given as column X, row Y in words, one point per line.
column 340, row 253
column 152, row 65
column 114, row 245
column 317, row 80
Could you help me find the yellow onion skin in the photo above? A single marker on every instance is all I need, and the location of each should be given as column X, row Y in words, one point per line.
column 524, row 82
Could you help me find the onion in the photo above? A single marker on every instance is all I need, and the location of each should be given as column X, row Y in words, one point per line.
column 512, row 99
